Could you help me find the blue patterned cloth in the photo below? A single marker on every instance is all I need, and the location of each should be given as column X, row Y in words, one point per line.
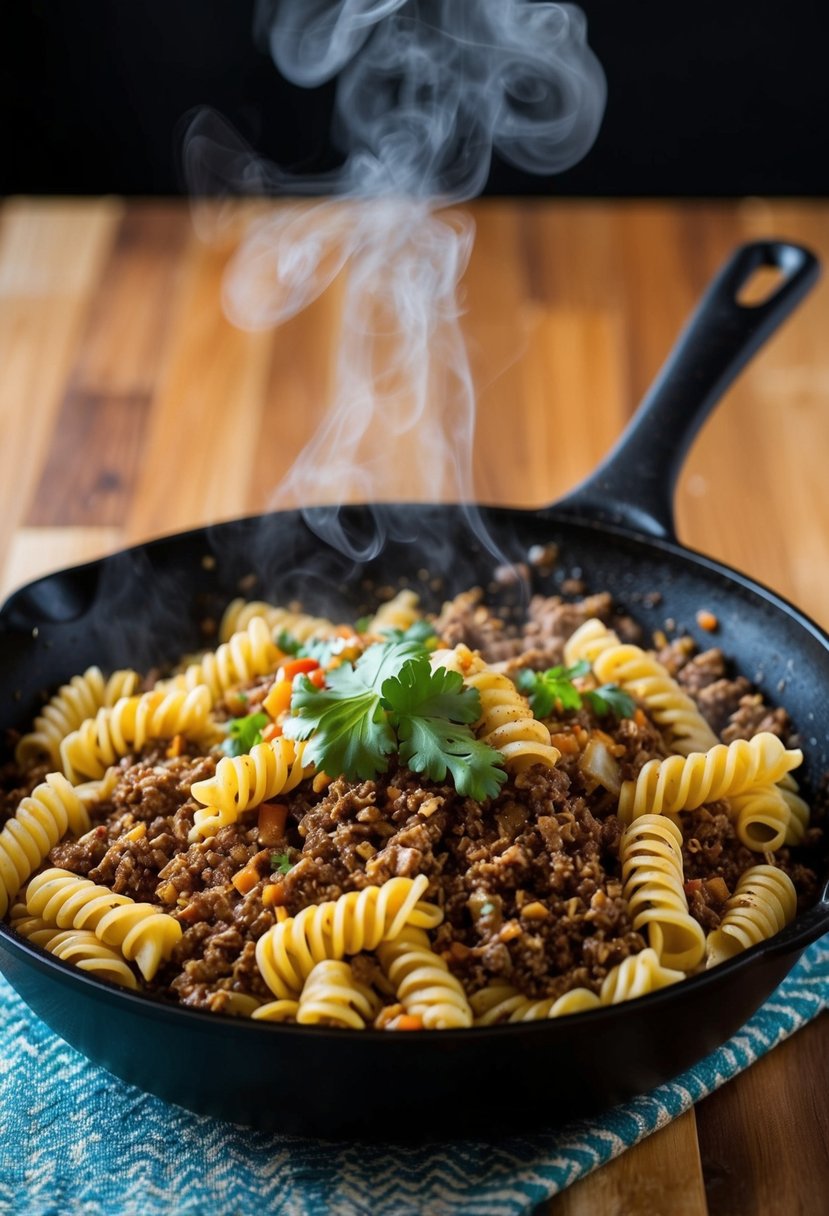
column 77, row 1141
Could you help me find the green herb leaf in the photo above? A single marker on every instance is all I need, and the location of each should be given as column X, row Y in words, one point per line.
column 281, row 863
column 431, row 711
column 610, row 698
column 345, row 724
column 553, row 690
column 244, row 733
column 421, row 631
column 288, row 644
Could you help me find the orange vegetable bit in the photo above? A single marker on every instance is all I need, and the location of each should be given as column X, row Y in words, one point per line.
column 273, row 895
column 407, row 1021
column 245, row 880
column 271, row 825
column 278, row 699
column 272, row 731
column 566, row 743
column 176, row 747
column 296, row 667
column 317, row 678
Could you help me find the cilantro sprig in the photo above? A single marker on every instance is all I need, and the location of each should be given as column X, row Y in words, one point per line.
column 554, row 689
column 389, row 701
column 281, row 863
column 244, row 733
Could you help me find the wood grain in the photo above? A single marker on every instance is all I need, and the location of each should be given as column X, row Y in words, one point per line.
column 661, row 1177
column 130, row 407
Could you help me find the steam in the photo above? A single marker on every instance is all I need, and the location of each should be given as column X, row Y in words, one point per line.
column 427, row 92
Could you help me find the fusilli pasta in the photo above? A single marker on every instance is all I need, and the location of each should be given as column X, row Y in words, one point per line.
column 763, row 903
column 359, row 920
column 682, row 783
column 141, row 932
column 246, row 781
column 422, row 982
column 71, row 705
column 651, row 857
column 40, row 821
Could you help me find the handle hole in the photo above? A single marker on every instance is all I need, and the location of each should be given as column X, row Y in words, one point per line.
column 761, row 285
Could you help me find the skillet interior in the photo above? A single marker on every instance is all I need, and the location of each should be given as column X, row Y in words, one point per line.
column 145, row 606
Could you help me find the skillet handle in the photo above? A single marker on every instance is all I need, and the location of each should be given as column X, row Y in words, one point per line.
column 634, row 485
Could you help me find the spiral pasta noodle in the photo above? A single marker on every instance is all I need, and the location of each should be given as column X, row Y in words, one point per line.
column 359, row 920
column 651, row 858
column 502, row 1003
column 143, row 934
column 507, row 722
column 588, row 642
column 300, row 625
column 400, row 612
column 682, row 783
column 637, row 976
column 249, row 653
column 763, row 903
column 78, row 946
column 245, row 781
column 762, row 818
column 129, row 725
column 332, row 997
column 422, row 982
column 645, row 678
column 40, row 821
column 71, row 705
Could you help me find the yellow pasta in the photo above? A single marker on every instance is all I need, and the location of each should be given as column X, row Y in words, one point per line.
column 636, row 976
column 507, row 722
column 651, row 856
column 645, row 678
column 359, row 920
column 763, row 903
column 40, row 821
column 300, row 625
column 246, row 781
column 502, row 1003
column 71, row 705
column 332, row 997
column 144, row 934
column 78, row 946
column 682, row 783
column 762, row 818
column 129, row 725
column 422, row 982
column 277, row 1011
column 249, row 653
column 400, row 612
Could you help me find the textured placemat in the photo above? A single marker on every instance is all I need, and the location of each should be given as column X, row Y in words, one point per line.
column 76, row 1140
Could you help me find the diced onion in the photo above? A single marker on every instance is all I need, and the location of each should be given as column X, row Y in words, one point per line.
column 596, row 762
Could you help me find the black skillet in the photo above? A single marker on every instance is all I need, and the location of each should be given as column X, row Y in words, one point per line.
column 144, row 606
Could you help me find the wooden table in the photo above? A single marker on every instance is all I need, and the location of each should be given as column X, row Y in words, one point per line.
column 131, row 407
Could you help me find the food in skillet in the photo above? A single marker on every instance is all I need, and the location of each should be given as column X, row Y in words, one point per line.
column 408, row 823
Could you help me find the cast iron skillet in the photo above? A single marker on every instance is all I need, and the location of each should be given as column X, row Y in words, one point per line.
column 144, row 606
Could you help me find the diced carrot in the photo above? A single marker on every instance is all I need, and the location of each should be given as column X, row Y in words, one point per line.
column 707, row 620
column 717, row 889
column 639, row 717
column 273, row 894
column 566, row 743
column 245, row 880
column 317, row 678
column 271, row 825
column 278, row 699
column 296, row 667
column 272, row 731
column 176, row 747
column 408, row 1021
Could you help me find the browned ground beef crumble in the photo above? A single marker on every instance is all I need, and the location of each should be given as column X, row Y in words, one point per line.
column 529, row 882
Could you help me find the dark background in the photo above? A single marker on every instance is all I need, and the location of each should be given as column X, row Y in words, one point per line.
column 710, row 98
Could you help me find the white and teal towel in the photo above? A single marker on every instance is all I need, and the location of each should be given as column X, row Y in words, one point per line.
column 76, row 1140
